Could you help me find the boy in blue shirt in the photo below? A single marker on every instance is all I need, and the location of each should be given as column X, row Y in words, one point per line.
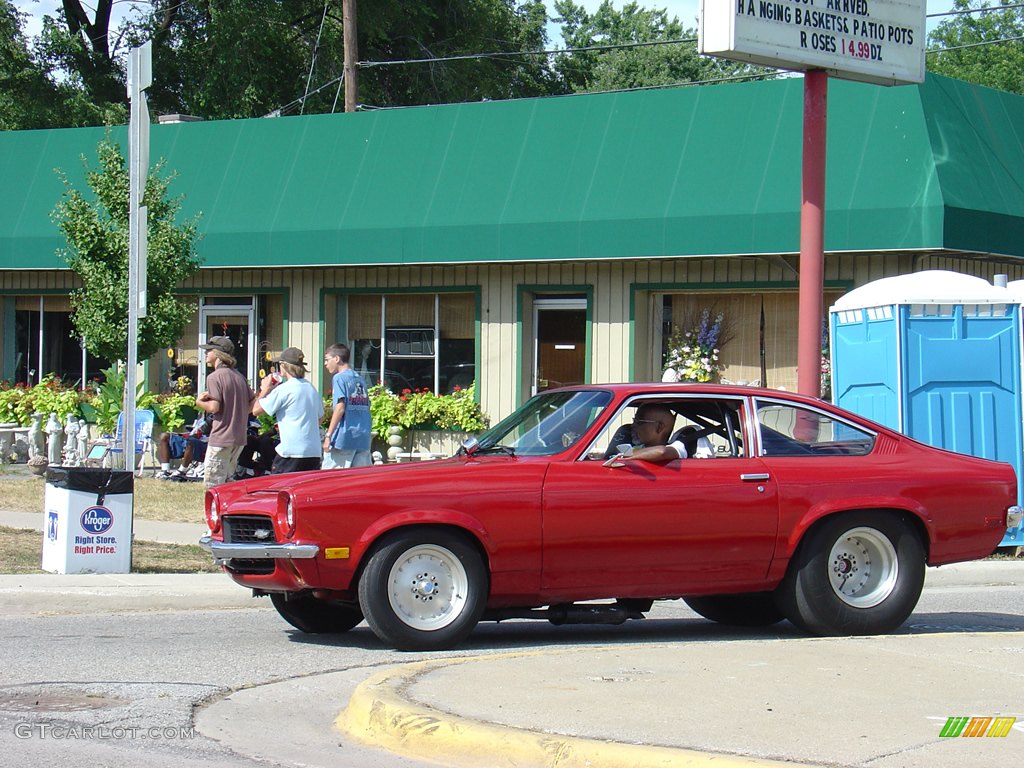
column 347, row 443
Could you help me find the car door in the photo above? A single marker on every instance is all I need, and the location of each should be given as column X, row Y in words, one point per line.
column 657, row 529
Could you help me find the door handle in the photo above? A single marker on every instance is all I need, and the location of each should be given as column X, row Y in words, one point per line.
column 754, row 477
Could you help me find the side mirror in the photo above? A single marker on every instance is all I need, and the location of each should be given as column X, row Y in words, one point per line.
column 470, row 446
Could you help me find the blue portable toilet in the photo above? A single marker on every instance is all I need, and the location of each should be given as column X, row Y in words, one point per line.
column 937, row 356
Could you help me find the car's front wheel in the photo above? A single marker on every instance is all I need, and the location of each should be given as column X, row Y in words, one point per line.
column 316, row 616
column 856, row 574
column 753, row 609
column 423, row 589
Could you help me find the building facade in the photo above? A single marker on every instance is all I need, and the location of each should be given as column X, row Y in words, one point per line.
column 522, row 245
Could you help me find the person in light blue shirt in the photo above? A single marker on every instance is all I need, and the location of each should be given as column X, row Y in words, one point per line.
column 298, row 408
column 347, row 443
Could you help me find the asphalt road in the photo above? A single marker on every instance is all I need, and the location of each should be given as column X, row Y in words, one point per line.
column 239, row 688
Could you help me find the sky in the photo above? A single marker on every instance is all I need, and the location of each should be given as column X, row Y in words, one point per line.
column 686, row 10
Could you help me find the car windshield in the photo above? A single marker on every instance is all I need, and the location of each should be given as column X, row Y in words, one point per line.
column 547, row 424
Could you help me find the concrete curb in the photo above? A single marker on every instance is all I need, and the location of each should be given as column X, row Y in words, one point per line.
column 381, row 714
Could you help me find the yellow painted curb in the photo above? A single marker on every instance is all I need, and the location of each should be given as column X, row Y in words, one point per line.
column 378, row 714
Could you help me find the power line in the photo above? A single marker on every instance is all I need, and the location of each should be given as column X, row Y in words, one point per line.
column 549, row 52
column 986, row 9
column 620, row 46
column 975, row 45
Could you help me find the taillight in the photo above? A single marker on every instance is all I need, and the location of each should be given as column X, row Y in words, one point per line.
column 213, row 511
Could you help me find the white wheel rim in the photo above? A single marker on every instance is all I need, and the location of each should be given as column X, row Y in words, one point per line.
column 863, row 567
column 428, row 587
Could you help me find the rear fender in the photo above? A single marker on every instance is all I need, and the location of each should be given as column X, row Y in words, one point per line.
column 786, row 546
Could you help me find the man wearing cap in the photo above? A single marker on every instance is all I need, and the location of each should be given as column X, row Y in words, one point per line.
column 228, row 399
column 298, row 408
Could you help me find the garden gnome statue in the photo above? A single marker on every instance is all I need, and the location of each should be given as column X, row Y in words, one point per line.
column 71, row 458
column 36, row 437
column 56, row 444
column 83, row 440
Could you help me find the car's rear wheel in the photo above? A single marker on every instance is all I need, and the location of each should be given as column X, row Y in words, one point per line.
column 423, row 589
column 752, row 609
column 856, row 574
column 316, row 616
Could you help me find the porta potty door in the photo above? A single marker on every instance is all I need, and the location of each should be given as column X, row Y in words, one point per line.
column 962, row 388
column 865, row 363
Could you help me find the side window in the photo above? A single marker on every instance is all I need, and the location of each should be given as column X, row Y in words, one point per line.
column 788, row 430
column 708, row 428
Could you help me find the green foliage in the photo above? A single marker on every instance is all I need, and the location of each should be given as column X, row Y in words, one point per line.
column 31, row 96
column 18, row 403
column 997, row 65
column 245, row 58
column 422, row 409
column 174, row 410
column 96, row 230
column 638, row 66
column 104, row 407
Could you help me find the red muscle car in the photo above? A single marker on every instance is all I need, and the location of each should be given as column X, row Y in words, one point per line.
column 785, row 507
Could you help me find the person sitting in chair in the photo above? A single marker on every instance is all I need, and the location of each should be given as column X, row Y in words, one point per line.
column 189, row 447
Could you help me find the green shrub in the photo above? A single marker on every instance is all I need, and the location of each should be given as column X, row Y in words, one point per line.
column 422, row 409
column 19, row 402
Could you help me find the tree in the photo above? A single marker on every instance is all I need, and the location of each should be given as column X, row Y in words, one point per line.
column 998, row 65
column 240, row 58
column 635, row 66
column 96, row 231
column 30, row 97
column 80, row 48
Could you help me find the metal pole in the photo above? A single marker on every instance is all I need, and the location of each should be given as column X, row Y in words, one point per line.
column 139, row 78
column 812, row 234
column 348, row 18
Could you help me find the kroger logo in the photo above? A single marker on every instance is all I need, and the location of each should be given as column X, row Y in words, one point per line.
column 97, row 520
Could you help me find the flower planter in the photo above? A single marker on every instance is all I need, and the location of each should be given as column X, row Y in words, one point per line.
column 437, row 441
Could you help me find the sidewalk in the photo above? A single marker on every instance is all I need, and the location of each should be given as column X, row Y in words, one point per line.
column 878, row 702
column 145, row 530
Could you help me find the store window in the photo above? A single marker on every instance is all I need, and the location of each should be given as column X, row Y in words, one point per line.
column 414, row 341
column 45, row 342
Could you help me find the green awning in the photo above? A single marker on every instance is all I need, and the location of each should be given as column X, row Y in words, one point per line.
column 687, row 171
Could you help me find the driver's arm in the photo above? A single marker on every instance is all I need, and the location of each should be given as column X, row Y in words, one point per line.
column 658, row 453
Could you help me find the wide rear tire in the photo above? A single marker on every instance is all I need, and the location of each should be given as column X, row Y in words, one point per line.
column 423, row 589
column 316, row 616
column 856, row 574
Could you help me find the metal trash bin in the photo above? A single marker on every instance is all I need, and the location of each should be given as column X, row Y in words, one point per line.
column 88, row 526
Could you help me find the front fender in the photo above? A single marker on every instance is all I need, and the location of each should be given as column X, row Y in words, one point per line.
column 433, row 516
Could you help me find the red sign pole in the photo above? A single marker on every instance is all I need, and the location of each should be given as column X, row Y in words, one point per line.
column 812, row 234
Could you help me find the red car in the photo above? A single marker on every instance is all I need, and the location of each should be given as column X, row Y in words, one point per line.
column 790, row 508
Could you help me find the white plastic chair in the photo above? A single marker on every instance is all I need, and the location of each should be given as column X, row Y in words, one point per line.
column 143, row 438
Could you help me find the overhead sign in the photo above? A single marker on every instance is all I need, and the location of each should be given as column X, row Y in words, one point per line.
column 874, row 41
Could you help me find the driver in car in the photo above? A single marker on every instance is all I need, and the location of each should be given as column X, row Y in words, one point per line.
column 652, row 428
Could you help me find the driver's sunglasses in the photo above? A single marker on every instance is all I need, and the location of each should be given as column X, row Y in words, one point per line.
column 645, row 421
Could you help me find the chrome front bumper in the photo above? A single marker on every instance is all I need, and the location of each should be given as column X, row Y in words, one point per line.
column 223, row 552
column 1014, row 516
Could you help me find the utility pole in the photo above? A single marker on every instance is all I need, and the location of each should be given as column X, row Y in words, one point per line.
column 140, row 77
column 348, row 18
